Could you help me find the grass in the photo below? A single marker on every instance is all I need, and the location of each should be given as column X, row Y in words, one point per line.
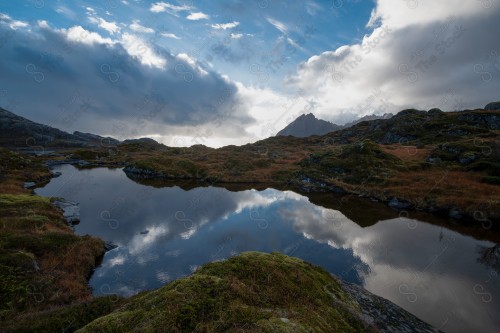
column 248, row 293
column 42, row 263
column 64, row 318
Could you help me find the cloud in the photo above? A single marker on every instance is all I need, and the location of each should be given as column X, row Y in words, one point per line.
column 80, row 35
column 169, row 35
column 278, row 25
column 110, row 27
column 197, row 16
column 137, row 27
column 13, row 24
column 138, row 49
column 159, row 7
column 224, row 26
column 428, row 56
column 75, row 79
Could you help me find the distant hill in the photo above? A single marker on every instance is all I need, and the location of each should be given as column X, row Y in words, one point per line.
column 306, row 125
column 19, row 132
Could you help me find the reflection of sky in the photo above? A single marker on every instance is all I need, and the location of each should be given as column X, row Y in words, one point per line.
column 166, row 233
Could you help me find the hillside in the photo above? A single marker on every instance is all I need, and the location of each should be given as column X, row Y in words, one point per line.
column 424, row 160
column 19, row 132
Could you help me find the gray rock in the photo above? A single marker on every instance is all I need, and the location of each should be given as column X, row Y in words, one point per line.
column 71, row 210
column 386, row 316
column 108, row 246
column 434, row 160
column 395, row 203
column 29, row 184
column 455, row 214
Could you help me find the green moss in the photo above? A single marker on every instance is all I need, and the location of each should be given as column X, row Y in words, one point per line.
column 248, row 293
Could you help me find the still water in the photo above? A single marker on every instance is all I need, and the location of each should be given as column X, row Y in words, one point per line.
column 447, row 278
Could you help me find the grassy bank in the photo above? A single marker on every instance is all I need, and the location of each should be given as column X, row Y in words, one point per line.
column 43, row 264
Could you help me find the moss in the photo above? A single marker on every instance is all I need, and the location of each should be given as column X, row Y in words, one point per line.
column 247, row 293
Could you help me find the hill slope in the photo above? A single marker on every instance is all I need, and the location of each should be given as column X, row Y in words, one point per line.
column 19, row 132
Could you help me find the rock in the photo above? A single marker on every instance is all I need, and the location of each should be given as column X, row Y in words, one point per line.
column 434, row 160
column 455, row 214
column 55, row 174
column 383, row 314
column 395, row 203
column 108, row 246
column 29, row 184
column 71, row 210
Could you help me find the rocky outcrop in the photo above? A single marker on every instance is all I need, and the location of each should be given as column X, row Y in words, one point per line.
column 383, row 314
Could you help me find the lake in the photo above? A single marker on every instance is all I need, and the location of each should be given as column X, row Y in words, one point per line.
column 446, row 275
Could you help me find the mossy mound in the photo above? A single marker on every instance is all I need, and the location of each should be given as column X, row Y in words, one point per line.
column 253, row 292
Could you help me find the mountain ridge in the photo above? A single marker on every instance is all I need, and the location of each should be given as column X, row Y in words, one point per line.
column 307, row 124
column 19, row 132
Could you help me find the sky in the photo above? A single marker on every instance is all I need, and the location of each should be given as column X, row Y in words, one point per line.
column 226, row 72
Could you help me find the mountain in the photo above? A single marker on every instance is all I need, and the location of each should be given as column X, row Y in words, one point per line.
column 307, row 125
column 368, row 118
column 19, row 132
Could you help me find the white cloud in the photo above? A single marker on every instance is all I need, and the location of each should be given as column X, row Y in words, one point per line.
column 13, row 24
column 43, row 24
column 224, row 26
column 137, row 27
column 139, row 49
column 197, row 16
column 169, row 35
column 236, row 36
column 65, row 11
column 110, row 27
column 422, row 58
column 278, row 25
column 80, row 35
column 159, row 7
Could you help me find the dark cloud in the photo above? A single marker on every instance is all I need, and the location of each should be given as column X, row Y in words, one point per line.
column 51, row 75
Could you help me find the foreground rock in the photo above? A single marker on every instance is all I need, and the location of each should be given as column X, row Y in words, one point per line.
column 71, row 210
column 257, row 292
